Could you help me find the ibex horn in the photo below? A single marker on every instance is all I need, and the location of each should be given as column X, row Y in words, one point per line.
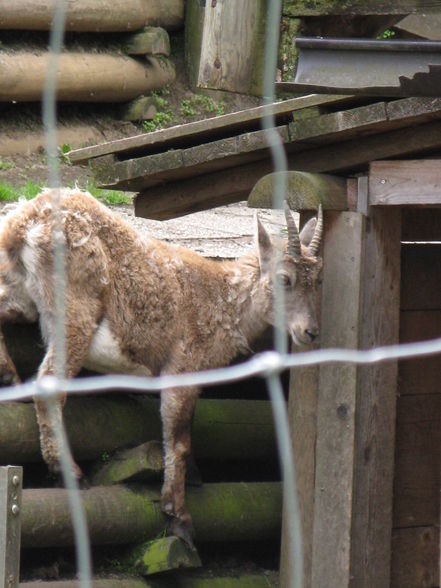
column 314, row 245
column 294, row 247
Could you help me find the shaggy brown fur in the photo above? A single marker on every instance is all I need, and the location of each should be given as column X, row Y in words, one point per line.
column 139, row 306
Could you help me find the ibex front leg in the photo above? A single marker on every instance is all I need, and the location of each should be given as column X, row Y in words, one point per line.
column 81, row 323
column 177, row 409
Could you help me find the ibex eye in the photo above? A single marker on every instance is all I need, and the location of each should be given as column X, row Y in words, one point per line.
column 284, row 280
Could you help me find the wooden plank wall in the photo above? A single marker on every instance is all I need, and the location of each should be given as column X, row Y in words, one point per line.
column 416, row 515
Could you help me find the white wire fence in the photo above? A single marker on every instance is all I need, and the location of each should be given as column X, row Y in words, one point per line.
column 268, row 365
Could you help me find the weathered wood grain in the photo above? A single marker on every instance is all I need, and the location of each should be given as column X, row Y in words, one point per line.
column 234, row 184
column 415, row 557
column 355, row 154
column 211, row 128
column 364, row 120
column 403, row 183
column 232, row 49
column 336, row 403
column 11, row 482
column 374, row 437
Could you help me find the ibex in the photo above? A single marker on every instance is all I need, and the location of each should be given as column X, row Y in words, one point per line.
column 139, row 306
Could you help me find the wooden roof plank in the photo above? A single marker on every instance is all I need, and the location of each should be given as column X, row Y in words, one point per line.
column 203, row 129
column 234, row 184
column 143, row 172
column 377, row 117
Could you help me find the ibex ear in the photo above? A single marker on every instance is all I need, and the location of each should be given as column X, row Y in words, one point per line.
column 264, row 246
column 307, row 232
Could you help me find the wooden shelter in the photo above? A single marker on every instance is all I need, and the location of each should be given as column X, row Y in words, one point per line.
column 366, row 439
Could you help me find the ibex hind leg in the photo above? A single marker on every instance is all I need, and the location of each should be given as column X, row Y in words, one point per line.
column 177, row 409
column 17, row 308
column 80, row 329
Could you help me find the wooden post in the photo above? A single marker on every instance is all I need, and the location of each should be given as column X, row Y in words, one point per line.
column 232, row 46
column 343, row 416
column 334, row 459
column 376, row 400
column 10, row 525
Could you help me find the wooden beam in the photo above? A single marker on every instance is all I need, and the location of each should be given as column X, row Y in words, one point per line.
column 403, row 183
column 355, row 154
column 304, row 191
column 363, row 120
column 358, row 7
column 336, row 408
column 11, row 481
column 208, row 129
column 375, row 401
column 235, row 184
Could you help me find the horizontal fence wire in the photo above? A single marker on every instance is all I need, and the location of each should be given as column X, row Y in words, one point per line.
column 268, row 365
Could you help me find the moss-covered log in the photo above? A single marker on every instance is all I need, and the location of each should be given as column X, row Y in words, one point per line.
column 304, row 191
column 82, row 76
column 149, row 41
column 93, row 16
column 161, row 555
column 119, row 515
column 227, row 429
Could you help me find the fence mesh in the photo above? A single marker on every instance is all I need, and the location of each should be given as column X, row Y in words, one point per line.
column 268, row 365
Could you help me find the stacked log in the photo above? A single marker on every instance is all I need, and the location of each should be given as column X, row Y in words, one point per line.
column 111, row 74
column 82, row 76
column 92, row 15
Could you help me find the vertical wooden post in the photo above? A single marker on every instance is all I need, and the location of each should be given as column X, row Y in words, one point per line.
column 376, row 400
column 302, row 414
column 336, row 407
column 10, row 505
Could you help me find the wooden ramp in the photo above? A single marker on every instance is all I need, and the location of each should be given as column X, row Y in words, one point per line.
column 214, row 162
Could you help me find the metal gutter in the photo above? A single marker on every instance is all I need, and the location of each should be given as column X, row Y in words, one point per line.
column 367, row 67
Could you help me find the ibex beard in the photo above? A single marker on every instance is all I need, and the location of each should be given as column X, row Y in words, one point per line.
column 139, row 306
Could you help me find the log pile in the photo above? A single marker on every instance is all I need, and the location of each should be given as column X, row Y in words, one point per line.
column 116, row 438
column 135, row 63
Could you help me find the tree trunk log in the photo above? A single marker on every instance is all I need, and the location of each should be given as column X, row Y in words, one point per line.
column 82, row 77
column 180, row 580
column 119, row 515
column 93, row 15
column 222, row 429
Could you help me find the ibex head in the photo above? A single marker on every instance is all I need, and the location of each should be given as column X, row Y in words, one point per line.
column 297, row 269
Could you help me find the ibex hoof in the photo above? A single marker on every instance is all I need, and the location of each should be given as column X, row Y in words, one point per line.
column 182, row 529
